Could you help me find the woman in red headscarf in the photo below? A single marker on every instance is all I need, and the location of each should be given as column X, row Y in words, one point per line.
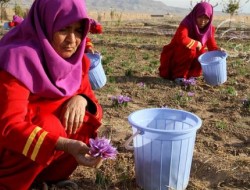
column 179, row 59
column 48, row 111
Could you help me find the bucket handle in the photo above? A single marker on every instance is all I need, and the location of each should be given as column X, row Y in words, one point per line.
column 126, row 144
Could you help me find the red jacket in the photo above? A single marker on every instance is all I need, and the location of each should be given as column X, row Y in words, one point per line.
column 89, row 44
column 179, row 57
column 19, row 109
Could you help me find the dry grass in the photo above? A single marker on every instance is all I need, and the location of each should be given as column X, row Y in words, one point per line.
column 130, row 16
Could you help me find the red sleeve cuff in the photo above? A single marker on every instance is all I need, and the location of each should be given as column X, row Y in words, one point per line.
column 40, row 146
column 47, row 150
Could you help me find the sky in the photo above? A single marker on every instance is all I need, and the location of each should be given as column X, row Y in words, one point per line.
column 186, row 4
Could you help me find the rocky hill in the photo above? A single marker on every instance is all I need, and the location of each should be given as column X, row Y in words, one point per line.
column 145, row 6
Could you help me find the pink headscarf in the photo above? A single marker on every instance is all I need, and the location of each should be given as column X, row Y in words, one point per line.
column 95, row 27
column 26, row 52
column 17, row 19
column 189, row 21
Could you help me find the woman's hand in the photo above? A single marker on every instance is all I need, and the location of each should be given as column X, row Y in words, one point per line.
column 91, row 50
column 80, row 151
column 73, row 113
column 199, row 46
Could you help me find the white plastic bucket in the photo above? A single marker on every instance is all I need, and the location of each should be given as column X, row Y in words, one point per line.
column 97, row 75
column 214, row 67
column 163, row 144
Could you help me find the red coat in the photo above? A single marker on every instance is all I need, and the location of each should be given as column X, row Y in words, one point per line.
column 30, row 127
column 89, row 44
column 179, row 59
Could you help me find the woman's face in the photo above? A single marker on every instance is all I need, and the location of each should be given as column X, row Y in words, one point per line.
column 66, row 41
column 202, row 21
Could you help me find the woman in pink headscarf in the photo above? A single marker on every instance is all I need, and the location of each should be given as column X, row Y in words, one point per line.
column 48, row 111
column 179, row 59
column 16, row 21
column 95, row 28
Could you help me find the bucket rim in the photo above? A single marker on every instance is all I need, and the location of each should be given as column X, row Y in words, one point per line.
column 211, row 63
column 96, row 56
column 224, row 55
column 133, row 124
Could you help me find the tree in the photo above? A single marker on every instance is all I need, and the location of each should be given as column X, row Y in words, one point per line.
column 18, row 10
column 2, row 3
column 232, row 7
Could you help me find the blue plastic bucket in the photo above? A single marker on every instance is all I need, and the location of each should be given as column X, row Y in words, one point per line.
column 214, row 67
column 97, row 75
column 6, row 26
column 163, row 144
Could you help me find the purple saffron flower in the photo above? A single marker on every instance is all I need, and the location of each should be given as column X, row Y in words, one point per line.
column 101, row 147
column 190, row 93
column 120, row 99
column 126, row 99
column 141, row 84
column 189, row 82
column 113, row 98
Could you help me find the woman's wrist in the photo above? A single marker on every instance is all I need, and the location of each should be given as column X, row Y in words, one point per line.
column 85, row 100
column 91, row 106
column 62, row 144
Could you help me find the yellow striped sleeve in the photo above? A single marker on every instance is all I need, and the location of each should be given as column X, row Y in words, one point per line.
column 89, row 44
column 30, row 140
column 38, row 145
column 191, row 43
column 37, row 140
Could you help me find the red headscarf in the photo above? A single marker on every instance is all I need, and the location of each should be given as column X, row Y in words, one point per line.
column 189, row 21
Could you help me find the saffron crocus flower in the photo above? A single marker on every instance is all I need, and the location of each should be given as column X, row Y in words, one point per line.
column 190, row 93
column 141, row 84
column 189, row 82
column 101, row 147
column 120, row 100
column 124, row 99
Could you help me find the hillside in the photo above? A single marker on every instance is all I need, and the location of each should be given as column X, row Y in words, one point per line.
column 146, row 6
